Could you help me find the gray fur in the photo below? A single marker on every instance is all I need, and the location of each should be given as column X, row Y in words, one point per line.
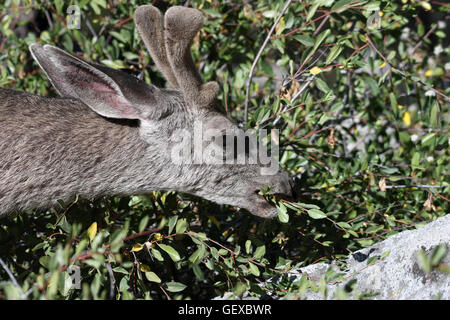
column 111, row 134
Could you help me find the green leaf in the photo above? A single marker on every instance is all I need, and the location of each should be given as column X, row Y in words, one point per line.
column 322, row 85
column 198, row 272
column 385, row 254
column 312, row 11
column 283, row 216
column 213, row 13
column 320, row 39
column 393, row 100
column 424, row 261
column 415, row 160
column 175, row 286
column 248, row 246
column 341, row 6
column 344, row 225
column 122, row 37
column 151, row 276
column 334, row 53
column 181, row 226
column 170, row 251
column 116, row 64
column 253, row 269
column 438, row 254
column 44, row 261
column 172, row 222
column 280, row 45
column 303, row 285
column 59, row 6
column 143, row 223
column 373, row 85
column 155, row 253
column 428, row 139
column 372, row 260
column 433, row 115
column 198, row 255
column 260, row 252
column 309, row 206
column 305, row 40
column 316, row 214
column 280, row 27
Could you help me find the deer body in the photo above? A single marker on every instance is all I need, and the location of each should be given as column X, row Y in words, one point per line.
column 57, row 148
column 112, row 134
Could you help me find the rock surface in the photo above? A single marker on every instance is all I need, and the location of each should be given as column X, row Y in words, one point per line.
column 398, row 276
column 395, row 275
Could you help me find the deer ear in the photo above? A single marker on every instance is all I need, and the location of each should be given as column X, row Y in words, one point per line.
column 73, row 77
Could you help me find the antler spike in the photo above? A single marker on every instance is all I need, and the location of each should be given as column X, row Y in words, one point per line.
column 181, row 26
column 148, row 20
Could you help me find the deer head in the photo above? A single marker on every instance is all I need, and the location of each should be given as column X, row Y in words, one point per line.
column 174, row 123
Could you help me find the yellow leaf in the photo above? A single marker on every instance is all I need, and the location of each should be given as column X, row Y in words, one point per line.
column 280, row 26
column 92, row 231
column 425, row 5
column 315, row 70
column 158, row 236
column 380, row 13
column 137, row 247
column 382, row 64
column 214, row 220
column 406, row 118
column 404, row 1
column 429, row 73
column 144, row 268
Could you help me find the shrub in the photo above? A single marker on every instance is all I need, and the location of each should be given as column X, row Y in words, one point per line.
column 359, row 91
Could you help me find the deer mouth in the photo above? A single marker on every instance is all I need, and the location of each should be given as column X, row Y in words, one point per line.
column 275, row 196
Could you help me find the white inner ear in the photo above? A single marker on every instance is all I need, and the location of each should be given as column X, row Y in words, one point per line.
column 97, row 90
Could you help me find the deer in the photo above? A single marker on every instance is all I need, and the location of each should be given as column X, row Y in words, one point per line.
column 110, row 133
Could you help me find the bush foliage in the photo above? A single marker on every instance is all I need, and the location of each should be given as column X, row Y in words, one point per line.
column 359, row 91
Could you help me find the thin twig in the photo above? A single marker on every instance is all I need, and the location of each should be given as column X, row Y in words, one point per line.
column 421, row 40
column 400, row 72
column 112, row 280
column 303, row 88
column 414, row 186
column 316, row 32
column 89, row 25
column 294, row 98
column 49, row 19
column 11, row 276
column 252, row 70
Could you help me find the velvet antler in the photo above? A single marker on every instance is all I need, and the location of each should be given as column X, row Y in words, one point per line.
column 170, row 49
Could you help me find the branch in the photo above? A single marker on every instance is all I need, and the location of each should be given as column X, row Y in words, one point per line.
column 400, row 72
column 11, row 276
column 252, row 70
